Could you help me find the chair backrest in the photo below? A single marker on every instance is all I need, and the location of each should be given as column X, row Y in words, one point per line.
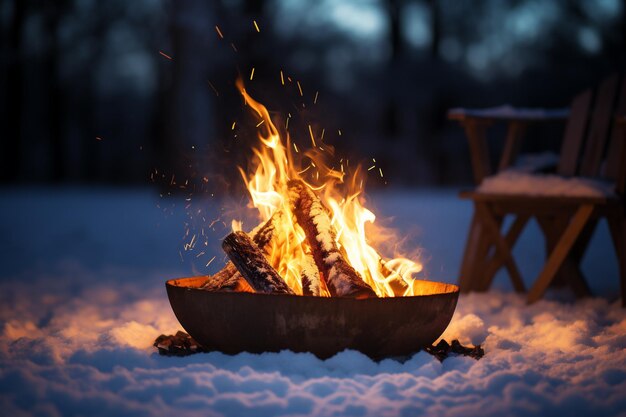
column 574, row 133
column 587, row 132
column 615, row 168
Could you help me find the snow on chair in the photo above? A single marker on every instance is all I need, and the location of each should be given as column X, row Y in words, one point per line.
column 588, row 186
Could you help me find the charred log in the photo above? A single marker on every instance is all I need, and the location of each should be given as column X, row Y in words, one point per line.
column 340, row 277
column 310, row 277
column 229, row 278
column 253, row 265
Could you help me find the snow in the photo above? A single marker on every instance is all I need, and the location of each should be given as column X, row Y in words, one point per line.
column 513, row 181
column 82, row 298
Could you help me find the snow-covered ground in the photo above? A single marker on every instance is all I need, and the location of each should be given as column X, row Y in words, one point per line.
column 82, row 298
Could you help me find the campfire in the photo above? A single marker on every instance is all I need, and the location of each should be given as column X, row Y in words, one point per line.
column 308, row 278
column 312, row 237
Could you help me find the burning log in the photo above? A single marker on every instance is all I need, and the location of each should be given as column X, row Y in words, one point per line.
column 310, row 277
column 340, row 277
column 253, row 265
column 229, row 278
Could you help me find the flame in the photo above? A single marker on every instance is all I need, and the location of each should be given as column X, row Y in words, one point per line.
column 274, row 165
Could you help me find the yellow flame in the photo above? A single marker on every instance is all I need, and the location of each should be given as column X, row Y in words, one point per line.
column 267, row 184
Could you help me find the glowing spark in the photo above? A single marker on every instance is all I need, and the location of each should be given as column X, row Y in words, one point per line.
column 312, row 137
column 214, row 89
column 233, row 126
column 256, row 26
column 219, row 32
column 322, row 136
column 289, row 79
column 165, row 55
column 282, row 78
column 252, row 74
column 315, row 99
column 381, row 172
column 374, row 159
column 98, row 138
column 339, row 131
column 304, row 170
column 209, row 263
column 299, row 88
column 287, row 123
column 296, row 148
column 260, row 123
column 234, row 47
column 200, row 254
column 371, row 168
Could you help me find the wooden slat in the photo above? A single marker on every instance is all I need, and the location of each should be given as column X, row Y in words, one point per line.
column 558, row 255
column 617, row 226
column 574, row 134
column 600, row 121
column 614, row 158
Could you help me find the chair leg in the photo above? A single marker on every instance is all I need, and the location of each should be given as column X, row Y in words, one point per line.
column 492, row 228
column 617, row 226
column 569, row 272
column 495, row 263
column 466, row 279
column 560, row 252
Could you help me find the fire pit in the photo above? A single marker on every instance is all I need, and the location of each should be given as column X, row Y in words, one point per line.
column 310, row 276
column 234, row 322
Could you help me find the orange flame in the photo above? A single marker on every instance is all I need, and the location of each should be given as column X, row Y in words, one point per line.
column 267, row 184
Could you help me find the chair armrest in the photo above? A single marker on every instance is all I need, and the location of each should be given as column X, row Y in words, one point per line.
column 508, row 113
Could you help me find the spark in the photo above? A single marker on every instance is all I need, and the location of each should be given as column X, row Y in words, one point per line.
column 381, row 172
column 209, row 263
column 339, row 131
column 304, row 170
column 234, row 47
column 282, row 78
column 165, row 55
column 371, row 168
column 374, row 159
column 98, row 138
column 287, row 123
column 256, row 26
column 289, row 79
column 260, row 123
column 296, row 148
column 181, row 256
column 200, row 254
column 214, row 89
column 312, row 137
column 252, row 74
column 300, row 88
column 315, row 99
column 219, row 32
column 322, row 136
column 233, row 126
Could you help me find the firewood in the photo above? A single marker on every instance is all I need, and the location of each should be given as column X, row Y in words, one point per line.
column 310, row 277
column 340, row 277
column 253, row 265
column 229, row 278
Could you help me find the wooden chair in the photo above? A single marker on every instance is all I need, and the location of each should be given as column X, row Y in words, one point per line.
column 567, row 222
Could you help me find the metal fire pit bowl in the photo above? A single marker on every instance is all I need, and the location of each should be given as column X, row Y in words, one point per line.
column 233, row 322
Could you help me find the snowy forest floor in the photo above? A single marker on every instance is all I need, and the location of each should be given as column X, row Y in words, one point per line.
column 82, row 298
